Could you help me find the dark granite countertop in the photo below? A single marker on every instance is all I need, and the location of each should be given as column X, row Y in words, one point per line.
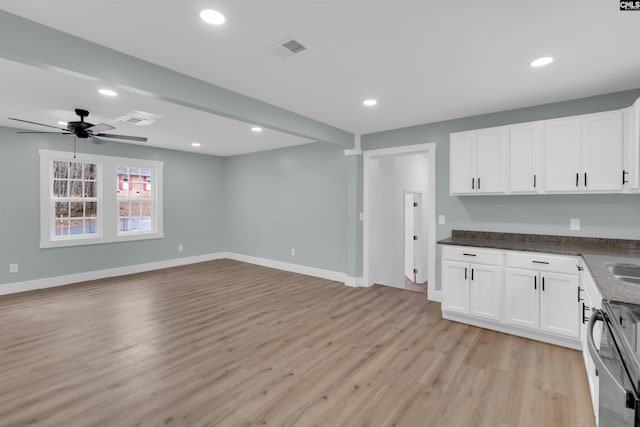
column 597, row 253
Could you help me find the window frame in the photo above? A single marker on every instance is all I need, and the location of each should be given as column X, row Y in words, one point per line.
column 108, row 206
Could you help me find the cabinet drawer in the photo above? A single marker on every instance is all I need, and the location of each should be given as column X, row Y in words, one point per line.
column 542, row 262
column 471, row 254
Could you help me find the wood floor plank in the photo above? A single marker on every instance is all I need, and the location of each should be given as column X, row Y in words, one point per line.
column 224, row 343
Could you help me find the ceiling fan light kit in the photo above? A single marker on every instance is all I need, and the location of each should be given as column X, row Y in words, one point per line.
column 84, row 130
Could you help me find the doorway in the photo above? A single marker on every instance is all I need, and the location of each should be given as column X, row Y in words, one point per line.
column 393, row 178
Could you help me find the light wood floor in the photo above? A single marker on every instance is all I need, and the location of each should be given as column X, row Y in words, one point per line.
column 224, row 343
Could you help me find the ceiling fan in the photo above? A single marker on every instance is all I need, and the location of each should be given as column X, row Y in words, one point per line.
column 85, row 130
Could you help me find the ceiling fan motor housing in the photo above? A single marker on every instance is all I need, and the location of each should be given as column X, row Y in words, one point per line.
column 78, row 128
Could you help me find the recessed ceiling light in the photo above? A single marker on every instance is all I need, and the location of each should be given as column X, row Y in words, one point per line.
column 195, row 144
column 62, row 123
column 108, row 92
column 369, row 102
column 541, row 62
column 212, row 17
column 256, row 129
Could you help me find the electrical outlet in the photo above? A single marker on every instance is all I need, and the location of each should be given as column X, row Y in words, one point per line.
column 441, row 219
column 293, row 251
column 574, row 224
column 180, row 248
column 13, row 268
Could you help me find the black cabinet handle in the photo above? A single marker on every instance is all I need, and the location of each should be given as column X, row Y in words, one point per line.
column 543, row 283
column 579, row 268
column 577, row 178
column 478, row 183
column 465, row 273
column 473, row 183
column 585, row 179
column 540, row 262
column 465, row 254
column 579, row 299
column 472, row 274
column 534, row 181
column 535, row 283
column 624, row 177
column 585, row 319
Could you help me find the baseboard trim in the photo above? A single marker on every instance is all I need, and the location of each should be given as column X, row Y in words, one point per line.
column 434, row 295
column 287, row 266
column 51, row 282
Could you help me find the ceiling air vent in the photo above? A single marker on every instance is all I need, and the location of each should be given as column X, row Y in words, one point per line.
column 294, row 46
column 138, row 118
column 287, row 48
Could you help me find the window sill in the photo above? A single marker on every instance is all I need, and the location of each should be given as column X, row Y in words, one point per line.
column 99, row 240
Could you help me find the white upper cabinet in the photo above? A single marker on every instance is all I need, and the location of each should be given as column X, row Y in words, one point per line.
column 631, row 161
column 478, row 161
column 462, row 165
column 584, row 153
column 562, row 160
column 602, row 152
column 591, row 153
column 526, row 157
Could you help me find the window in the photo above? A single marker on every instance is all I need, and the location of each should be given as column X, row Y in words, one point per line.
column 135, row 199
column 98, row 199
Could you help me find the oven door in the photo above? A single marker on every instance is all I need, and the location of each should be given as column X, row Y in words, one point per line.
column 617, row 407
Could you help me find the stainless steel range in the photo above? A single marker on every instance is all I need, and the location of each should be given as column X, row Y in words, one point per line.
column 618, row 363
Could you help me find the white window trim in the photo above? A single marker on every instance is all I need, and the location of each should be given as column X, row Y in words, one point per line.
column 108, row 211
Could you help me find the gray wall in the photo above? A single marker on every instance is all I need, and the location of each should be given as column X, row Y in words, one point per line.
column 616, row 216
column 289, row 198
column 193, row 209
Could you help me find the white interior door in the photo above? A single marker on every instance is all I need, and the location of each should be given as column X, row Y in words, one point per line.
column 409, row 232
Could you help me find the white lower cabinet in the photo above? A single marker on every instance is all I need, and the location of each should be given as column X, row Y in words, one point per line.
column 529, row 294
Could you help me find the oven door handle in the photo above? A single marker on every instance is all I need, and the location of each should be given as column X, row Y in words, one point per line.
column 593, row 351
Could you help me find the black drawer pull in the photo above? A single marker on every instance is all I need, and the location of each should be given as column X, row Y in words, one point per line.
column 624, row 177
column 469, row 254
column 579, row 298
column 540, row 262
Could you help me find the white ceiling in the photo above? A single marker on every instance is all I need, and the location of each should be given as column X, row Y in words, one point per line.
column 424, row 61
column 44, row 96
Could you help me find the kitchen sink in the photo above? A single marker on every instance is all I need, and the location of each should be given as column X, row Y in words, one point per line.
column 627, row 272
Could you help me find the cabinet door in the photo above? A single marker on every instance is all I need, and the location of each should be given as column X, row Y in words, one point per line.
column 631, row 149
column 526, row 153
column 491, row 160
column 559, row 308
column 522, row 302
column 602, row 152
column 485, row 289
column 562, row 154
column 462, row 163
column 455, row 287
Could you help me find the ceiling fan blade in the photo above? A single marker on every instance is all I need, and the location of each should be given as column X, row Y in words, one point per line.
column 35, row 123
column 125, row 137
column 95, row 140
column 100, row 127
column 54, row 133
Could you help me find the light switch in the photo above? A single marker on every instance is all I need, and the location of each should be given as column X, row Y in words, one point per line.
column 361, row 216
column 574, row 224
column 441, row 219
column 13, row 268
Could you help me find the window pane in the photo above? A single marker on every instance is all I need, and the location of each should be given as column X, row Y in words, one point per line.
column 60, row 188
column 75, row 171
column 76, row 209
column 135, row 209
column 124, row 209
column 145, row 172
column 134, row 171
column 90, row 226
column 76, row 189
column 134, row 192
column 62, row 227
column 121, row 170
column 91, row 209
column 134, row 224
column 124, row 224
column 135, row 178
column 146, row 224
column 62, row 209
column 90, row 171
column 90, row 189
column 60, row 169
column 77, row 227
column 145, row 208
